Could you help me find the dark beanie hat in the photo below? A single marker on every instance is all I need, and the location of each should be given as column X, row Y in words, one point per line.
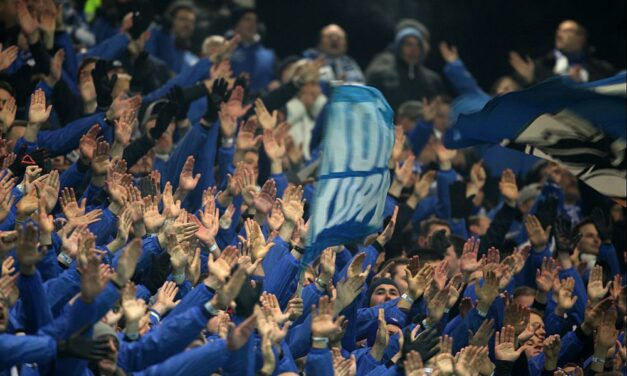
column 239, row 12
column 377, row 283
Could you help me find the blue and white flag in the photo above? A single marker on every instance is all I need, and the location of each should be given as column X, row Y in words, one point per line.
column 580, row 126
column 353, row 177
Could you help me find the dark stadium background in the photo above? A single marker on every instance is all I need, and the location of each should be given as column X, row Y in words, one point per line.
column 483, row 30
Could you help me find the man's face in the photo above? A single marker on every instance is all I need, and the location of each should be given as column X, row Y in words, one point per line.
column 108, row 365
column 569, row 37
column 247, row 27
column 333, row 41
column 309, row 93
column 410, row 50
column 506, row 85
column 536, row 341
column 4, row 97
column 184, row 23
column 590, row 241
column 383, row 293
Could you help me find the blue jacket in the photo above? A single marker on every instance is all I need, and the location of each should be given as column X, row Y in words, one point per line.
column 257, row 61
column 162, row 45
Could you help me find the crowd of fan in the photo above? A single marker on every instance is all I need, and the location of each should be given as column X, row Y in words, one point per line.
column 155, row 192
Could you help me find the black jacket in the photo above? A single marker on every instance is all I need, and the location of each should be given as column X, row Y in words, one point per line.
column 597, row 69
column 400, row 82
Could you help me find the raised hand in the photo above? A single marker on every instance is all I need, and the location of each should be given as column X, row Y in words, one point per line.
column 91, row 283
column 565, row 299
column 124, row 128
column 246, row 139
column 268, row 121
column 416, row 285
column 220, row 268
column 234, row 105
column 547, row 274
column 100, row 162
column 259, row 247
column 49, row 191
column 264, row 200
column 483, row 334
column 7, row 114
column 171, row 209
column 388, row 231
column 487, row 292
column 165, row 298
column 399, row 145
column 551, row 349
column 127, row 262
column 274, row 146
column 424, row 343
column 56, row 68
column 508, row 187
column 469, row 360
column 478, row 175
column 7, row 56
column 292, row 204
column 594, row 315
column 27, row 251
column 436, row 306
column 153, row 220
column 404, row 175
column 27, row 21
column 449, row 53
column 187, row 180
column 271, row 304
column 322, row 323
column 525, row 67
column 8, row 266
column 382, row 339
column 228, row 124
column 38, row 112
column 537, row 235
column 327, row 266
column 516, row 316
column 468, row 263
column 349, row 288
column 596, row 290
column 445, row 156
column 504, row 345
column 413, row 364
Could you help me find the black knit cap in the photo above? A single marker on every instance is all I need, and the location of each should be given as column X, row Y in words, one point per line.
column 379, row 282
column 239, row 12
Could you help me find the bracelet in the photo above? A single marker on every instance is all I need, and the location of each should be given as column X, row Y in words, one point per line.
column 426, row 325
column 213, row 247
column 407, row 298
column 323, row 285
column 321, row 341
column 598, row 360
column 298, row 249
column 482, row 314
column 132, row 336
column 154, row 314
column 228, row 142
column 213, row 311
column 64, row 259
column 178, row 278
